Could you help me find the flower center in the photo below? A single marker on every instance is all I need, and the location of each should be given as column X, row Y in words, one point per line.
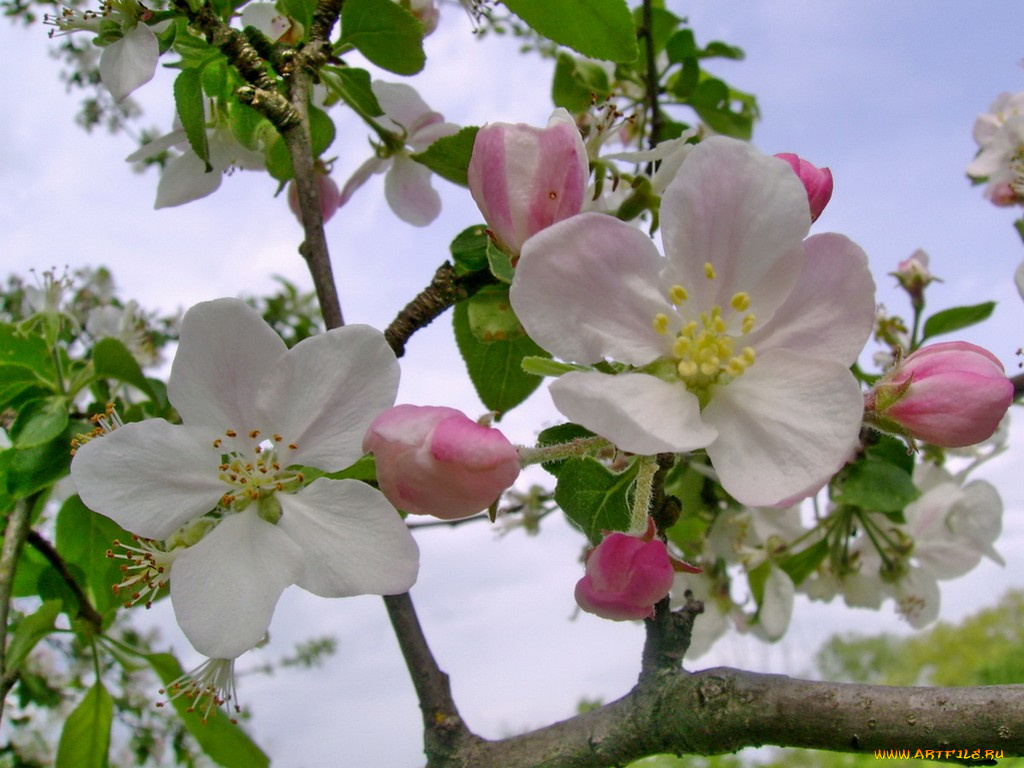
column 253, row 472
column 207, row 688
column 145, row 570
column 704, row 353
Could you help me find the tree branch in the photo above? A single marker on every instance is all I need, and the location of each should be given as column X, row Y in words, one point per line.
column 646, row 31
column 15, row 533
column 722, row 710
column 445, row 735
column 86, row 611
column 445, row 290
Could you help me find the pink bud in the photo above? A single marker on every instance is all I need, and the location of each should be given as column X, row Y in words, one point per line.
column 525, row 179
column 950, row 395
column 330, row 197
column 626, row 575
column 817, row 182
column 436, row 461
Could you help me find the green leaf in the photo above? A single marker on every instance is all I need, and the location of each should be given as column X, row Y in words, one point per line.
column 500, row 263
column 491, row 317
column 301, row 11
column 874, row 485
column 802, row 564
column 578, row 84
column 545, row 366
column 32, row 469
column 496, row 368
column 725, row 110
column 448, row 157
column 29, row 351
column 30, row 631
column 469, row 250
column 85, row 740
column 562, row 433
column 352, row 85
column 681, row 46
column 222, row 740
column 188, row 100
column 593, row 497
column 954, row 319
column 83, row 539
column 321, row 129
column 279, row 162
column 718, row 49
column 385, row 33
column 39, row 421
column 112, row 360
column 663, row 24
column 17, row 379
column 601, row 29
column 247, row 125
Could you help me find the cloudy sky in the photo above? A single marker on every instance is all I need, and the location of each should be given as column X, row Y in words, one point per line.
column 884, row 93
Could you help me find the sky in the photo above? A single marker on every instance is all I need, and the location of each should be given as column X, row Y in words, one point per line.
column 883, row 93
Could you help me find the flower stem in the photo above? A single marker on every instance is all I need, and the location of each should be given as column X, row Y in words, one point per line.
column 574, row 449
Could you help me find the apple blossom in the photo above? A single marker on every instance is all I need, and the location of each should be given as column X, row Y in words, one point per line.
column 626, row 575
column 330, row 197
column 223, row 496
column 999, row 134
column 433, row 460
column 407, row 185
column 817, row 182
column 951, row 395
column 738, row 341
column 186, row 176
column 524, row 179
column 130, row 54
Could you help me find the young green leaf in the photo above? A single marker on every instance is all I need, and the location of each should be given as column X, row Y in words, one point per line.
column 85, row 740
column 30, row 631
column 469, row 250
column 39, row 421
column 385, row 33
column 448, row 157
column 111, row 359
column 188, row 100
column 601, row 29
column 593, row 497
column 83, row 539
column 949, row 320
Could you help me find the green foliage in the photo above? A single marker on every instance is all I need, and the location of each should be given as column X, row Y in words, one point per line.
column 448, row 157
column 188, row 100
column 595, row 498
column 495, row 367
column 956, row 318
column 490, row 315
column 600, row 29
column 874, row 485
column 85, row 740
column 469, row 250
column 578, row 83
column 385, row 33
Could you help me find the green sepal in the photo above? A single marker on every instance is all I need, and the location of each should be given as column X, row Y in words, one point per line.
column 188, row 100
column 799, row 565
column 385, row 33
column 545, row 366
column 594, row 498
column 500, row 263
column 956, row 318
column 85, row 738
column 448, row 157
column 601, row 29
column 496, row 368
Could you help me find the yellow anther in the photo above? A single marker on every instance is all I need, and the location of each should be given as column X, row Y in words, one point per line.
column 740, row 302
column 709, row 368
column 687, row 368
column 709, row 270
column 748, row 322
column 749, row 355
column 660, row 323
column 678, row 294
column 682, row 346
column 719, row 325
column 735, row 367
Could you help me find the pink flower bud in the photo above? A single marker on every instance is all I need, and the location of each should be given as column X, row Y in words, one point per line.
column 626, row 575
column 525, row 179
column 330, row 197
column 817, row 182
column 950, row 395
column 436, row 461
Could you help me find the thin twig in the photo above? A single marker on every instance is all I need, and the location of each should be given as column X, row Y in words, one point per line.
column 651, row 75
column 15, row 534
column 86, row 611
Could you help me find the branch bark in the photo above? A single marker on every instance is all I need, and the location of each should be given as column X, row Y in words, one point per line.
column 722, row 710
column 15, row 533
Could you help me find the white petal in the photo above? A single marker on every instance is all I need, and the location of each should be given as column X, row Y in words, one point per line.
column 776, row 605
column 266, row 18
column 409, row 193
column 353, row 541
column 185, row 179
column 979, row 518
column 744, row 213
column 158, row 145
column 639, row 413
column 130, row 62
column 362, row 173
column 225, row 352
column 402, row 105
column 787, row 423
column 224, row 589
column 587, row 288
column 324, row 392
column 149, row 477
column 917, row 596
column 1018, row 278
column 831, row 311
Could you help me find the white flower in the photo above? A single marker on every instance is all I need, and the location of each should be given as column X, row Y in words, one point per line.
column 739, row 340
column 999, row 134
column 225, row 489
column 130, row 60
column 186, row 177
column 128, row 325
column 407, row 185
